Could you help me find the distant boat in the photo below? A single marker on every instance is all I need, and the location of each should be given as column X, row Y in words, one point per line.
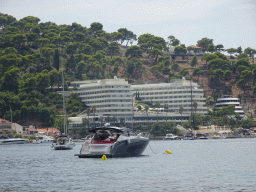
column 219, row 137
column 43, row 139
column 189, row 136
column 13, row 141
column 63, row 141
column 203, row 137
column 170, row 136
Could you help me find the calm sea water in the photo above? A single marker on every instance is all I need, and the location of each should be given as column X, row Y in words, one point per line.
column 201, row 165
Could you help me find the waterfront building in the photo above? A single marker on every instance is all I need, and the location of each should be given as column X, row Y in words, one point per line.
column 32, row 131
column 114, row 98
column 6, row 128
column 229, row 100
column 111, row 97
column 176, row 93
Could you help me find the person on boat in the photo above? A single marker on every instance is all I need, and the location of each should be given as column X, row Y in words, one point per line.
column 117, row 136
column 107, row 139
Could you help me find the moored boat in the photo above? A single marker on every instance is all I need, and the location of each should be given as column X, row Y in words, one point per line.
column 203, row 137
column 113, row 142
column 43, row 139
column 63, row 142
column 170, row 136
column 13, row 141
column 190, row 136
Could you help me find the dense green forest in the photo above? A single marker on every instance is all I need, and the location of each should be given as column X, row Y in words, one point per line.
column 32, row 54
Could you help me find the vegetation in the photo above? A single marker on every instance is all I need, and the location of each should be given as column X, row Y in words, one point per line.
column 32, row 54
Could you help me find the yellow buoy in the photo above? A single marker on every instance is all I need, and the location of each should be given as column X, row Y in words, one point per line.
column 104, row 158
column 168, row 152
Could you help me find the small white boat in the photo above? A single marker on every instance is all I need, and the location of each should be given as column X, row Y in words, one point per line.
column 43, row 139
column 13, row 141
column 190, row 136
column 222, row 137
column 63, row 142
column 113, row 142
column 170, row 136
column 203, row 137
column 219, row 137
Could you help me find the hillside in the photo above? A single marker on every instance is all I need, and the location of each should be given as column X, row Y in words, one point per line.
column 148, row 76
column 32, row 54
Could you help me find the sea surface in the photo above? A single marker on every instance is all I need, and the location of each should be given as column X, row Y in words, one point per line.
column 196, row 165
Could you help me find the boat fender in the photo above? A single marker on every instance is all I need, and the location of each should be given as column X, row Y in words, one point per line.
column 128, row 141
column 103, row 158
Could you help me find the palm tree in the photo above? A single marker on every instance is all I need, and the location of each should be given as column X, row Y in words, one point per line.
column 181, row 109
column 84, row 120
column 237, row 117
column 101, row 120
column 107, row 119
column 146, row 109
column 88, row 111
column 122, row 122
column 214, row 109
column 114, row 119
column 195, row 105
column 166, row 106
column 94, row 111
column 157, row 105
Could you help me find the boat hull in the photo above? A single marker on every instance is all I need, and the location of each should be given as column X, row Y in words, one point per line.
column 13, row 141
column 125, row 149
column 189, row 138
column 176, row 138
column 63, row 147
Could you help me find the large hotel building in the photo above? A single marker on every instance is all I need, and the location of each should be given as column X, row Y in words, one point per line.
column 112, row 97
column 115, row 98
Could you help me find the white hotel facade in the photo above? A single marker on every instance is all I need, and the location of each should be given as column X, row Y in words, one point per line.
column 114, row 98
column 176, row 93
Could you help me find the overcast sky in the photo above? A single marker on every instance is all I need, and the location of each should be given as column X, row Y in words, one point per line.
column 228, row 22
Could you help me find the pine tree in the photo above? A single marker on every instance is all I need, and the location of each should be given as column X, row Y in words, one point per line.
column 194, row 61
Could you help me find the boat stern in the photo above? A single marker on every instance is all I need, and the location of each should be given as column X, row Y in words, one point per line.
column 90, row 149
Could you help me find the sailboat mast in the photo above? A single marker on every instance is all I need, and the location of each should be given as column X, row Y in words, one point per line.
column 11, row 117
column 64, row 109
column 191, row 121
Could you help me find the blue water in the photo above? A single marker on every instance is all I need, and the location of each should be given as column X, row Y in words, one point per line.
column 201, row 165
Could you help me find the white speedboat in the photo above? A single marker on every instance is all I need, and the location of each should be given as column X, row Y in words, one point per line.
column 113, row 142
column 170, row 136
column 43, row 139
column 63, row 142
column 13, row 141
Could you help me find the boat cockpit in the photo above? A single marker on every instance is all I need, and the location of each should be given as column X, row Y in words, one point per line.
column 104, row 136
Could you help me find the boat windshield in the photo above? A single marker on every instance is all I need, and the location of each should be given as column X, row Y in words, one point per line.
column 101, row 135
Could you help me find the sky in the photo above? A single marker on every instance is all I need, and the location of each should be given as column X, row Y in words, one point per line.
column 231, row 23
